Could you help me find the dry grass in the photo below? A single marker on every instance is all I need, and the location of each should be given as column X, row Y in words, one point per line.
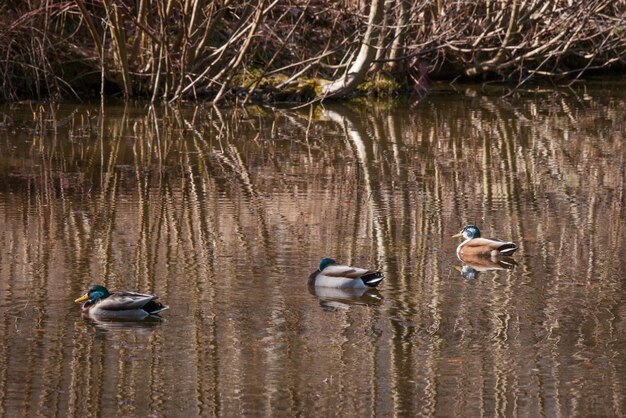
column 234, row 50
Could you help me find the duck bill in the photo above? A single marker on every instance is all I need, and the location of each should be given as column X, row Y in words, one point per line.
column 460, row 234
column 82, row 298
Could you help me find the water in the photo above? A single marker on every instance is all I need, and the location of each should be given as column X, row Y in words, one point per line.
column 225, row 213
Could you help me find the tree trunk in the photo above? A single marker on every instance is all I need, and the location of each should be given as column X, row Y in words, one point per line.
column 353, row 77
column 397, row 47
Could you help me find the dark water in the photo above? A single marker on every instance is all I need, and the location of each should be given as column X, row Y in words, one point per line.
column 225, row 213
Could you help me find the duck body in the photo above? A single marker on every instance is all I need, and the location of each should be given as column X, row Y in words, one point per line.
column 332, row 274
column 100, row 303
column 475, row 245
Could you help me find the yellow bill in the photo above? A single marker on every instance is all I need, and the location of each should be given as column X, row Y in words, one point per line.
column 82, row 298
column 460, row 234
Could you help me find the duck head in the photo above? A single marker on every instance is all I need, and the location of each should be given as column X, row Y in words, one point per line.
column 95, row 292
column 326, row 262
column 468, row 232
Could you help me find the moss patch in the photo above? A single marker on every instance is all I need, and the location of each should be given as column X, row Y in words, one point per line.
column 381, row 85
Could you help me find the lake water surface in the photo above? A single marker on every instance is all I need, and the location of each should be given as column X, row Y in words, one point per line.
column 224, row 214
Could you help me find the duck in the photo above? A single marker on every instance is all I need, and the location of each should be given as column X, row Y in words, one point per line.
column 475, row 245
column 332, row 274
column 99, row 302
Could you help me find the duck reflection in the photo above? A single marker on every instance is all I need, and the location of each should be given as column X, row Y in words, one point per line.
column 333, row 298
column 474, row 265
column 108, row 324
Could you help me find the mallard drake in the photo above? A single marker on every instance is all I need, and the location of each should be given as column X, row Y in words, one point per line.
column 475, row 245
column 331, row 274
column 100, row 302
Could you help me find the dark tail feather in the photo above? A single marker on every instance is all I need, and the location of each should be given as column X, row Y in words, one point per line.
column 508, row 248
column 154, row 307
column 372, row 278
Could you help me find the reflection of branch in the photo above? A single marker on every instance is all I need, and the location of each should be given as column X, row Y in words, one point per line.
column 354, row 136
column 230, row 157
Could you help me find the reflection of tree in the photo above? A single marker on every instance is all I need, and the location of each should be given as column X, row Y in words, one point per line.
column 353, row 135
column 224, row 214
